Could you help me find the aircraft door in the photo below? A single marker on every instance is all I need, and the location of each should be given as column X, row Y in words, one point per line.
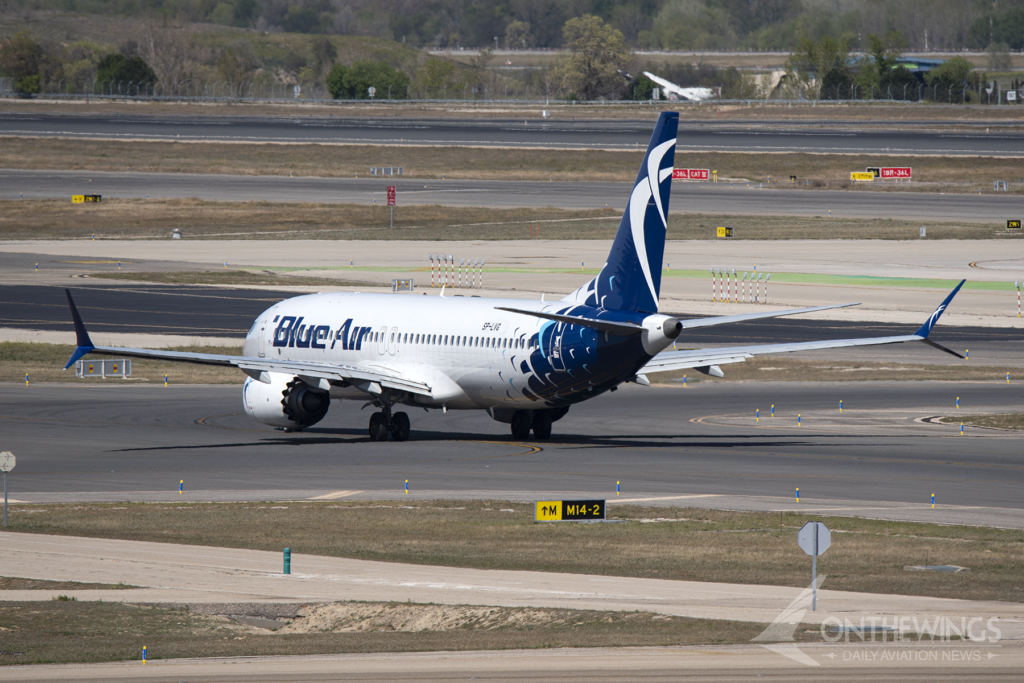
column 382, row 341
column 393, row 337
column 555, row 349
column 262, row 339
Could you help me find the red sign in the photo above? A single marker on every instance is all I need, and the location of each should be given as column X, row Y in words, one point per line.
column 391, row 195
column 690, row 174
column 894, row 173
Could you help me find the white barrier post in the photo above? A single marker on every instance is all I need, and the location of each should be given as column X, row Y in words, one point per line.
column 1017, row 285
column 462, row 263
column 712, row 284
column 743, row 294
column 431, row 257
column 451, row 275
column 735, row 288
column 483, row 262
column 766, row 279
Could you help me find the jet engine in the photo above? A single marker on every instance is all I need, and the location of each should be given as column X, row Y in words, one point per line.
column 286, row 402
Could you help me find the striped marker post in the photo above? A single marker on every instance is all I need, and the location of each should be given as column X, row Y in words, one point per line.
column 181, row 487
column 735, row 288
column 961, row 429
column 766, row 279
column 144, row 654
column 618, row 489
column 431, row 257
column 933, row 501
column 1007, row 378
column 1017, row 285
column 713, row 284
column 798, row 420
column 757, row 415
column 840, row 405
column 773, row 410
column 958, row 403
column 165, row 381
column 407, row 487
column 798, row 495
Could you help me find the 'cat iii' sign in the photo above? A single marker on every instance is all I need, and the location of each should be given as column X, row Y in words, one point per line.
column 570, row 510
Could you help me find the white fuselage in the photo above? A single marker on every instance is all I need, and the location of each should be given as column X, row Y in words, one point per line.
column 471, row 355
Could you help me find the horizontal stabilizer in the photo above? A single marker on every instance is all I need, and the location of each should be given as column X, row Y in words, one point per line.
column 617, row 328
column 744, row 317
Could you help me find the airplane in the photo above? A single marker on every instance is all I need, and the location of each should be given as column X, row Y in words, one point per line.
column 524, row 362
column 690, row 94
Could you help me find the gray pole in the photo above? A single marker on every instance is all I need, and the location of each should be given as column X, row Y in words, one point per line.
column 5, row 499
column 814, row 572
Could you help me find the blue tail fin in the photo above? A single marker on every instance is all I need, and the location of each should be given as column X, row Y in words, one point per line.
column 631, row 278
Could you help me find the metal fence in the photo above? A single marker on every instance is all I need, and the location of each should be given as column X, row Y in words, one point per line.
column 253, row 91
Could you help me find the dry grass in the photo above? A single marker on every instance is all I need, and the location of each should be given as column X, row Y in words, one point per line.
column 12, row 583
column 1012, row 421
column 777, row 369
column 43, row 363
column 831, row 171
column 262, row 278
column 42, row 632
column 665, row 543
column 155, row 218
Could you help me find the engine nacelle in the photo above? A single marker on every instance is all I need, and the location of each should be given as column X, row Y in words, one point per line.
column 659, row 332
column 286, row 402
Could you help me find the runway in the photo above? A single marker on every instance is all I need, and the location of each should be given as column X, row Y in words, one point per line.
column 706, row 198
column 820, row 137
column 221, row 312
column 119, row 441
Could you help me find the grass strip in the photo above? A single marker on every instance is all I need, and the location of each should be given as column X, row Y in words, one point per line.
column 258, row 278
column 832, row 171
column 66, row 632
column 776, row 369
column 1010, row 421
column 13, row 583
column 653, row 542
column 44, row 363
column 57, row 219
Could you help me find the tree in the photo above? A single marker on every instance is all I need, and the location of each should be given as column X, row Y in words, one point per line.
column 237, row 63
column 354, row 82
column 116, row 68
column 437, row 78
column 517, row 35
column 596, row 55
column 824, row 65
column 20, row 59
column 948, row 80
column 999, row 57
column 335, row 81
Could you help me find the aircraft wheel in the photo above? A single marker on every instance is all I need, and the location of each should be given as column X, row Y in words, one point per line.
column 542, row 424
column 400, row 426
column 520, row 425
column 378, row 427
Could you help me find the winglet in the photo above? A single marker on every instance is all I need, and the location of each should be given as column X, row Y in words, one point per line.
column 85, row 344
column 926, row 329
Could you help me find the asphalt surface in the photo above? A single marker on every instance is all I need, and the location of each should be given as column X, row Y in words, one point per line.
column 218, row 312
column 118, row 439
column 894, row 138
column 687, row 198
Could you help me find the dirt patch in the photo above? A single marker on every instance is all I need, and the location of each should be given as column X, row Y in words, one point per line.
column 355, row 616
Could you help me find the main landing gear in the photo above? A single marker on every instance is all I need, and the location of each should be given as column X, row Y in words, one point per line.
column 383, row 423
column 539, row 422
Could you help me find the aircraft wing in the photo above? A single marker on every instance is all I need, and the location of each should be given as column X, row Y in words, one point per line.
column 707, row 360
column 310, row 372
column 743, row 317
column 687, row 93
